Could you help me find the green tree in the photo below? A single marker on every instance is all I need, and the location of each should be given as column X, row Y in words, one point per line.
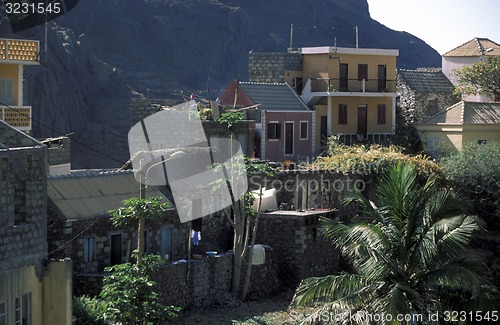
column 128, row 294
column 474, row 171
column 408, row 254
column 136, row 211
column 482, row 77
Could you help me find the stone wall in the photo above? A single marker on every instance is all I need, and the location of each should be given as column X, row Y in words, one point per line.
column 419, row 106
column 140, row 108
column 271, row 66
column 207, row 282
column 59, row 151
column 23, row 199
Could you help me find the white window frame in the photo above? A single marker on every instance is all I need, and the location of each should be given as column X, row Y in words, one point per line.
column 267, row 131
column 307, row 130
column 19, row 311
column 89, row 247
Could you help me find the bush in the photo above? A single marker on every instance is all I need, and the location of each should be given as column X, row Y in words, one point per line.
column 372, row 159
column 88, row 311
column 474, row 171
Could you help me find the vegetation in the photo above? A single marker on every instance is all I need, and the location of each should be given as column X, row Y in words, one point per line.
column 137, row 210
column 372, row 159
column 482, row 77
column 408, row 252
column 128, row 294
column 88, row 311
column 474, row 171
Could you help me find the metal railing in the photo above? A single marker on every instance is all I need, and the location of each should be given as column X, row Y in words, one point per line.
column 373, row 138
column 17, row 116
column 353, row 85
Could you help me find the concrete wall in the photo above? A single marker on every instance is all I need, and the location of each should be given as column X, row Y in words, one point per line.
column 271, row 66
column 58, row 293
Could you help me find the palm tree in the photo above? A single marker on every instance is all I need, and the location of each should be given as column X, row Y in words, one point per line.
column 409, row 255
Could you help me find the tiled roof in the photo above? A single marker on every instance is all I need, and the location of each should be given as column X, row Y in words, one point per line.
column 426, row 80
column 84, row 195
column 476, row 47
column 274, row 96
column 468, row 113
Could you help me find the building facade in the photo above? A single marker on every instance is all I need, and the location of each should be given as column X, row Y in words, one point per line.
column 351, row 90
column 14, row 55
column 475, row 50
column 33, row 288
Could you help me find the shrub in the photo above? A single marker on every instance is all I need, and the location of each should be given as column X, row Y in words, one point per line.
column 88, row 311
column 372, row 159
column 474, row 171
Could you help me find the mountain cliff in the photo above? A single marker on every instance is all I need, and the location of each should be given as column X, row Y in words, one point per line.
column 102, row 53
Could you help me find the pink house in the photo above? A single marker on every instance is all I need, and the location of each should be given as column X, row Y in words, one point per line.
column 284, row 124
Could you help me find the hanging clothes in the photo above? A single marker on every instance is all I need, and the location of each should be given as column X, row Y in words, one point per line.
column 195, row 237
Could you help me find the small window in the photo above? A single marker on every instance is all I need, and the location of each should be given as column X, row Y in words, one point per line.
column 3, row 313
column 273, row 130
column 433, row 144
column 88, row 249
column 304, row 130
column 481, row 141
column 6, row 92
column 342, row 114
column 381, row 114
column 23, row 310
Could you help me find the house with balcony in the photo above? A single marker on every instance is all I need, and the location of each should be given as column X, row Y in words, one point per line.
column 14, row 55
column 351, row 90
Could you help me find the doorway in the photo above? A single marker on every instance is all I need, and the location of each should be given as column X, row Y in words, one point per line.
column 362, row 121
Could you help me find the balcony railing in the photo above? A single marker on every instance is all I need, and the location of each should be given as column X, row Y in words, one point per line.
column 19, row 50
column 17, row 116
column 374, row 138
column 353, row 85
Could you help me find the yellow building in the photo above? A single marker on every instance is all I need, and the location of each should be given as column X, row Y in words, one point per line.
column 461, row 123
column 14, row 55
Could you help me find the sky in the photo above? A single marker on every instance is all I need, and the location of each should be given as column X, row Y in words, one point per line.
column 442, row 24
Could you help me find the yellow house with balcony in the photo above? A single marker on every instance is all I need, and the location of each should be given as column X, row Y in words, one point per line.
column 14, row 55
column 352, row 90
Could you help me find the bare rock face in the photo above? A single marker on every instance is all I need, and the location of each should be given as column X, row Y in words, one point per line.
column 102, row 52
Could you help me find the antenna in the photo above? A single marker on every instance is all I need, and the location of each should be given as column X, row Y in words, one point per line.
column 357, row 37
column 291, row 37
column 46, row 34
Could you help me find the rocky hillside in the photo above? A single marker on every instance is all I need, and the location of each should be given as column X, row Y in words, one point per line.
column 103, row 52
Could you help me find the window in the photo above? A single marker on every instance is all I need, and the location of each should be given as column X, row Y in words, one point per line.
column 23, row 310
column 303, row 130
column 6, row 91
column 273, row 130
column 88, row 249
column 116, row 249
column 482, row 141
column 342, row 114
column 297, row 85
column 166, row 243
column 289, row 135
column 381, row 114
column 3, row 313
column 362, row 72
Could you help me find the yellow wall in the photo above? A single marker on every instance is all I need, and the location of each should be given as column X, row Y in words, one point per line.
column 454, row 137
column 352, row 115
column 325, row 66
column 57, row 293
column 51, row 298
column 11, row 71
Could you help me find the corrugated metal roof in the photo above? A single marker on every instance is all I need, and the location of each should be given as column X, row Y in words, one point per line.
column 274, row 96
column 84, row 196
column 476, row 47
column 429, row 80
column 468, row 113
